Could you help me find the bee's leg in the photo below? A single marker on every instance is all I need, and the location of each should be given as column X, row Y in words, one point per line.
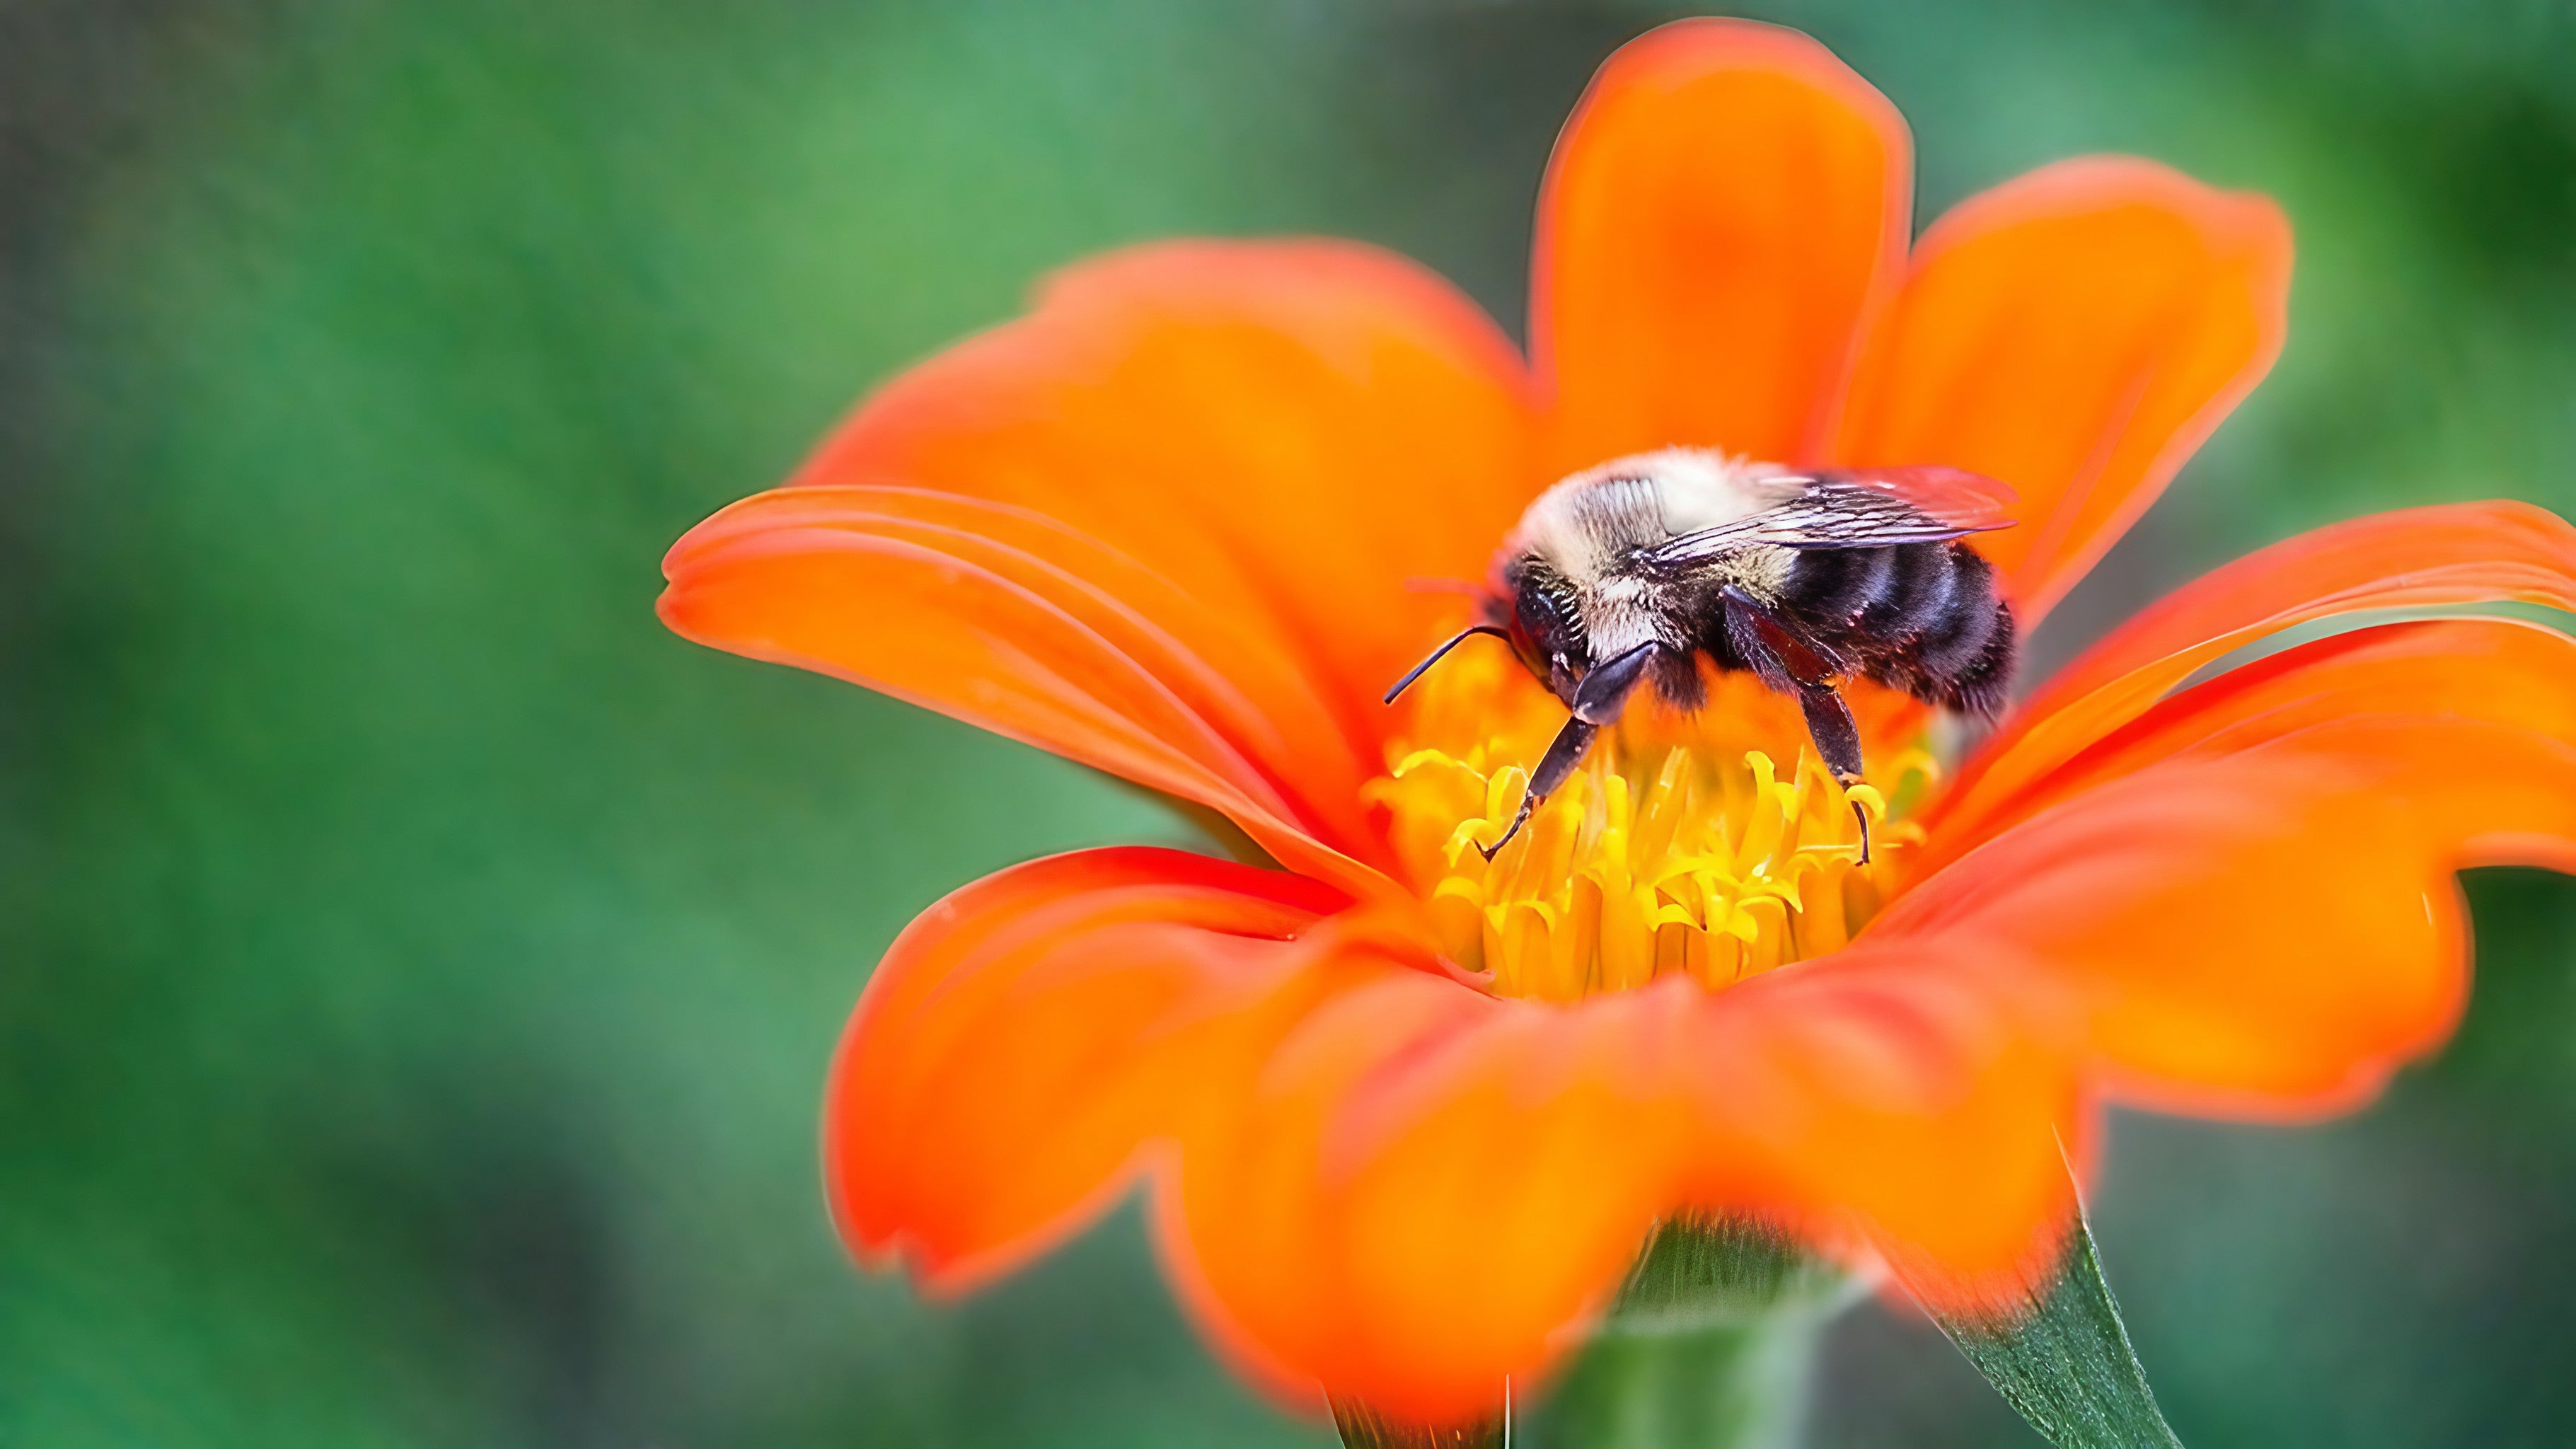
column 1604, row 691
column 1829, row 724
column 1786, row 660
column 1597, row 702
column 1554, row 768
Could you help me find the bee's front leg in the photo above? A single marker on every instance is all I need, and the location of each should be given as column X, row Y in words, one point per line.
column 1597, row 701
column 1554, row 768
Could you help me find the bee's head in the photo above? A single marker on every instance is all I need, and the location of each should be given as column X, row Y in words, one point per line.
column 1539, row 611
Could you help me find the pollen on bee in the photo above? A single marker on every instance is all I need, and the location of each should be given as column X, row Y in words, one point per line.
column 1713, row 844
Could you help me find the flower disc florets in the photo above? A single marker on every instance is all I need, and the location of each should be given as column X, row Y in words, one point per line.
column 1713, row 844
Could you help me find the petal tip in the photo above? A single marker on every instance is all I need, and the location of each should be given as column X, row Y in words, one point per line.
column 1719, row 178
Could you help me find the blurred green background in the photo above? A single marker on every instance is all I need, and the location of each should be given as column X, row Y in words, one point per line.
column 421, row 968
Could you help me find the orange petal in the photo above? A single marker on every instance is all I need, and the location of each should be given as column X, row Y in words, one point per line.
column 2453, row 554
column 1192, row 462
column 2492, row 669
column 1294, row 433
column 1724, row 206
column 1015, row 623
column 1028, row 1037
column 1919, row 1100
column 1430, row 1191
column 1377, row 1178
column 1244, row 1222
column 2075, row 333
column 2268, row 931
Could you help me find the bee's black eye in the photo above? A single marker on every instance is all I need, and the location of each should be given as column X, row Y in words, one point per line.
column 1547, row 615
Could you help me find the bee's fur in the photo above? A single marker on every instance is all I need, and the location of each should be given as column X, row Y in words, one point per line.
column 1583, row 582
column 1920, row 617
column 1635, row 571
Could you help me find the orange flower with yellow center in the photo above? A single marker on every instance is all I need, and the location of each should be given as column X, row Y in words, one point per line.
column 1404, row 1115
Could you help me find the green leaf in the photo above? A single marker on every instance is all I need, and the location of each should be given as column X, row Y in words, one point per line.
column 2062, row 1360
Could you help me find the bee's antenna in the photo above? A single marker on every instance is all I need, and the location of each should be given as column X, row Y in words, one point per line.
column 1461, row 637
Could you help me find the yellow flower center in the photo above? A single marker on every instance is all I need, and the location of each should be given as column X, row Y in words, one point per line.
column 1713, row 844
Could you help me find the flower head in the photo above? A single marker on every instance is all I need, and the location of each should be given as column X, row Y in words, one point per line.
column 1405, row 1115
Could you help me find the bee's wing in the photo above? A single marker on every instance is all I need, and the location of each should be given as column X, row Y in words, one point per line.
column 1859, row 508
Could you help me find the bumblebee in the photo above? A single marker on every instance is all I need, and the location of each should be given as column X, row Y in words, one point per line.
column 1630, row 573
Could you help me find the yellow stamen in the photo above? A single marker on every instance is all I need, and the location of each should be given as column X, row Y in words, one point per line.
column 1680, row 846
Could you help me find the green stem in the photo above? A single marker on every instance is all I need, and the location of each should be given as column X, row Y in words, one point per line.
column 1739, row 1385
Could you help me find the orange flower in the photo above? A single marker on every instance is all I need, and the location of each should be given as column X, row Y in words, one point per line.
column 1405, row 1117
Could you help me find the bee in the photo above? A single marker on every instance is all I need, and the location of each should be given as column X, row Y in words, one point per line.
column 1630, row 573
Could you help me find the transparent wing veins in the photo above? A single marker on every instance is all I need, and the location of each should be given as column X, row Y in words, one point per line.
column 1856, row 509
